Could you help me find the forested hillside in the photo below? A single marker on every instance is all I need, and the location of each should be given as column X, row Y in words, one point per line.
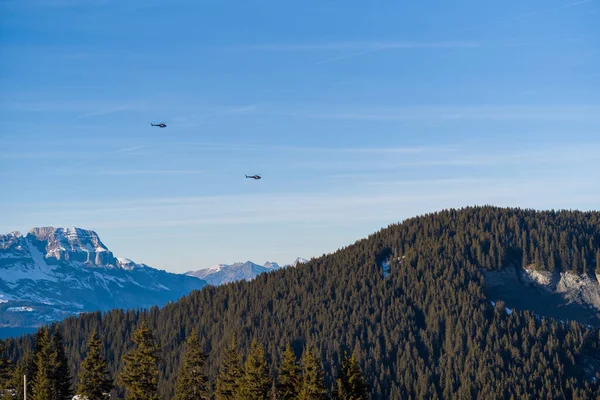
column 423, row 330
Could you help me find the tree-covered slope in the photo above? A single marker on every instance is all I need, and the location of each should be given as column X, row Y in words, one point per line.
column 425, row 330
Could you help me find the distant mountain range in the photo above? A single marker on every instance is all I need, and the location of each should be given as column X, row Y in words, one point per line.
column 52, row 273
column 226, row 273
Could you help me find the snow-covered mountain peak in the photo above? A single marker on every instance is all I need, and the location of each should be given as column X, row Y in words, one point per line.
column 10, row 240
column 299, row 260
column 72, row 244
column 225, row 273
column 57, row 272
column 271, row 265
column 217, row 267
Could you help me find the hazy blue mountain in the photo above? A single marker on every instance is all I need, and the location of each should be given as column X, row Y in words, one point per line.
column 225, row 273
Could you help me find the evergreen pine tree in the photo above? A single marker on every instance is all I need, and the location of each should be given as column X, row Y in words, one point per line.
column 192, row 382
column 5, row 367
column 350, row 381
column 60, row 373
column 289, row 375
column 313, row 386
column 230, row 373
column 256, row 381
column 25, row 366
column 94, row 379
column 6, row 370
column 140, row 372
column 42, row 384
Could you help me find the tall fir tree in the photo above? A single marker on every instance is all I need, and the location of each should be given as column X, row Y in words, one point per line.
column 256, row 381
column 60, row 373
column 42, row 383
column 192, row 382
column 230, row 373
column 140, row 371
column 313, row 385
column 350, row 382
column 25, row 367
column 5, row 366
column 6, row 371
column 289, row 375
column 94, row 379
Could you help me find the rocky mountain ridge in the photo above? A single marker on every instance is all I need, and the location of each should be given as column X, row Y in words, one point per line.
column 226, row 273
column 51, row 273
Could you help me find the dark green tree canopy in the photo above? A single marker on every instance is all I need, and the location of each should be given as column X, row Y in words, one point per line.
column 60, row 373
column 289, row 375
column 42, row 383
column 313, row 384
column 192, row 382
column 230, row 373
column 427, row 329
column 256, row 381
column 6, row 366
column 94, row 379
column 140, row 371
column 350, row 381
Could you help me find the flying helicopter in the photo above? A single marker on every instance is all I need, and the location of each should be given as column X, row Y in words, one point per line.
column 253, row 176
column 161, row 125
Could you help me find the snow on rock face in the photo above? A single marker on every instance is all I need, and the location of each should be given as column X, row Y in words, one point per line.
column 73, row 244
column 9, row 240
column 226, row 273
column 60, row 272
column 299, row 260
column 19, row 309
column 271, row 265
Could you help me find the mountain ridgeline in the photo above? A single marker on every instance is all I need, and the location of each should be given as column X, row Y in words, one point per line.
column 224, row 273
column 52, row 273
column 409, row 302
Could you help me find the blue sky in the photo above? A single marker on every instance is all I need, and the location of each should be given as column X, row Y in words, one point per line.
column 358, row 114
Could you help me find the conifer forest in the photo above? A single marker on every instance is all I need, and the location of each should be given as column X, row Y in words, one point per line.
column 401, row 314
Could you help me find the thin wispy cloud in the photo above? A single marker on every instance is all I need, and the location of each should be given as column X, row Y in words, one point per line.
column 100, row 113
column 132, row 149
column 509, row 112
column 317, row 149
column 88, row 108
column 153, row 172
column 357, row 46
column 243, row 110
column 350, row 55
column 556, row 155
column 429, row 113
column 320, row 208
column 128, row 172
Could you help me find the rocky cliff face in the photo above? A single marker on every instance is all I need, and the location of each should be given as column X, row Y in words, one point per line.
column 564, row 295
column 73, row 244
column 582, row 289
column 52, row 273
